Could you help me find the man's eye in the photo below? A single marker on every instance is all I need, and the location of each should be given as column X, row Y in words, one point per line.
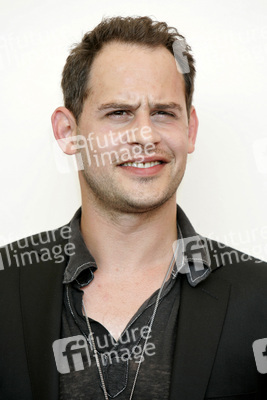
column 118, row 113
column 165, row 113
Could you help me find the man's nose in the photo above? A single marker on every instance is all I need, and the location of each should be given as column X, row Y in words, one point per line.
column 143, row 132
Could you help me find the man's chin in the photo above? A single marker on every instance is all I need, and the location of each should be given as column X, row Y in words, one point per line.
column 137, row 206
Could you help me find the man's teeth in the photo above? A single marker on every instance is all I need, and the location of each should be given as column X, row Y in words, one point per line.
column 141, row 165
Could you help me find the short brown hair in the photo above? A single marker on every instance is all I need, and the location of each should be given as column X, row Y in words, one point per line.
column 135, row 30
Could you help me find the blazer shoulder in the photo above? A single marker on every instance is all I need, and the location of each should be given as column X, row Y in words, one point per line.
column 236, row 266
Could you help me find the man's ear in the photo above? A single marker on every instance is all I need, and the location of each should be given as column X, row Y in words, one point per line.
column 192, row 130
column 65, row 128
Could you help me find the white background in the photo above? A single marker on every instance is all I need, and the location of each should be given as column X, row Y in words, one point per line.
column 224, row 191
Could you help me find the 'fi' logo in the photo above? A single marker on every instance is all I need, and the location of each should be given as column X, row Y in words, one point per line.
column 71, row 354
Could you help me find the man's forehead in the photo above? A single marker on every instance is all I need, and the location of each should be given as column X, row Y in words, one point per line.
column 127, row 78
column 120, row 56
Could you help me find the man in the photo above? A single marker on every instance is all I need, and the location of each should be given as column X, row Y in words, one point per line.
column 127, row 301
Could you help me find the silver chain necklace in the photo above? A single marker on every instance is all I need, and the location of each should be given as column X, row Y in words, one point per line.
column 91, row 337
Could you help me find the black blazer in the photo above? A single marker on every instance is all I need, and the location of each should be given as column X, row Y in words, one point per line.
column 218, row 321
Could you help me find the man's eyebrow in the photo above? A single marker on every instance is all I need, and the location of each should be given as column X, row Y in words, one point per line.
column 158, row 106
column 117, row 106
column 167, row 106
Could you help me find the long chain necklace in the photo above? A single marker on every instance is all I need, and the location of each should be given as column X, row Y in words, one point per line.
column 91, row 337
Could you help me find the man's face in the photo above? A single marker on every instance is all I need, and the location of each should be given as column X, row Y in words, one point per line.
column 135, row 110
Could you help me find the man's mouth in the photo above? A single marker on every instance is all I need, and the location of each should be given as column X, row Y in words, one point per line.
column 137, row 164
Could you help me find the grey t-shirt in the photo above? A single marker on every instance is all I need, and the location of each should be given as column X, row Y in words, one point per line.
column 119, row 361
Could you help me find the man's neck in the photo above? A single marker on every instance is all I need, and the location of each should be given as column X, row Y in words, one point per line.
column 130, row 242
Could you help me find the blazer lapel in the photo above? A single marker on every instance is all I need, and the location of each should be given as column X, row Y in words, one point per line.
column 200, row 321
column 41, row 306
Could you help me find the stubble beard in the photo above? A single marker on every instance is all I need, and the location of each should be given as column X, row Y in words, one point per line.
column 111, row 198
